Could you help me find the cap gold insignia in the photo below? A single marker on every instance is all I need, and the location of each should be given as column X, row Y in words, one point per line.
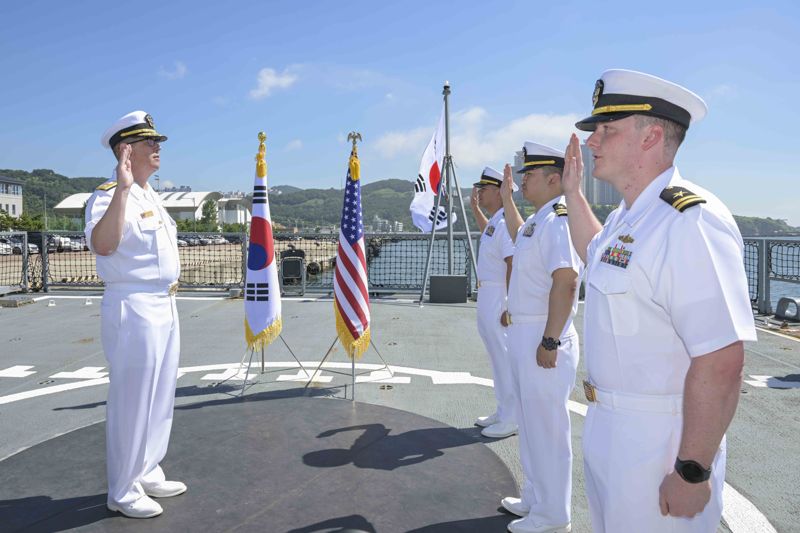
column 627, row 239
column 149, row 120
column 598, row 92
column 146, row 214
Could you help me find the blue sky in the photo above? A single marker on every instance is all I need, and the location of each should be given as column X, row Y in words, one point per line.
column 214, row 74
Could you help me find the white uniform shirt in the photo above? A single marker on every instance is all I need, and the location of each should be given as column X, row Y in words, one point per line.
column 662, row 287
column 148, row 251
column 542, row 246
column 496, row 245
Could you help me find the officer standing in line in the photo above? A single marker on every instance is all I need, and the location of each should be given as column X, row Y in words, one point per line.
column 667, row 311
column 542, row 341
column 137, row 257
column 494, row 272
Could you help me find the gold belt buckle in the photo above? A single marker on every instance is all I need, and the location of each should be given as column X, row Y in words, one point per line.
column 588, row 391
column 508, row 317
column 173, row 288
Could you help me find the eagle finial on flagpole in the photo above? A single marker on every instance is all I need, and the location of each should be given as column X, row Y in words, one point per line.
column 355, row 137
column 355, row 166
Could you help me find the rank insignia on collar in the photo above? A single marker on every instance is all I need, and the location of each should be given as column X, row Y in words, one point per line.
column 627, row 239
column 560, row 209
column 617, row 256
column 681, row 198
column 107, row 186
column 529, row 229
column 489, row 231
column 149, row 120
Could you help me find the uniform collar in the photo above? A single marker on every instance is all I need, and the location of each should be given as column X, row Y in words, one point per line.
column 648, row 196
column 497, row 216
column 547, row 207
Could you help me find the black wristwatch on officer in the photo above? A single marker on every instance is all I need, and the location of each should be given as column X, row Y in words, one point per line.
column 691, row 471
column 550, row 344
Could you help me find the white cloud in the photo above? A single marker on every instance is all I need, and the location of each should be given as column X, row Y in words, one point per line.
column 295, row 144
column 403, row 142
column 475, row 145
column 178, row 73
column 167, row 184
column 269, row 79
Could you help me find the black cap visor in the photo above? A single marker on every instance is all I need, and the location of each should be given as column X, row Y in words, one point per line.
column 590, row 123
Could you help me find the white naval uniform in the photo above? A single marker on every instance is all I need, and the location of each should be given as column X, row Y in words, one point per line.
column 542, row 246
column 663, row 286
column 141, row 339
column 495, row 246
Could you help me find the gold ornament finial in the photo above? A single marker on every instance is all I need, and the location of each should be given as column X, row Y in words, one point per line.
column 261, row 161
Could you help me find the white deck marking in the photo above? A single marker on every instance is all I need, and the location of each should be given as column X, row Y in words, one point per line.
column 11, row 398
column 303, row 376
column 18, row 371
column 741, row 515
column 87, row 372
column 382, row 376
column 738, row 512
column 772, row 382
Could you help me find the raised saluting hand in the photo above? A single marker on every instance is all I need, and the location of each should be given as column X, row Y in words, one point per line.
column 573, row 166
column 124, row 173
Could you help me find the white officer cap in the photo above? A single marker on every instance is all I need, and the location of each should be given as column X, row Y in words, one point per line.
column 537, row 155
column 133, row 126
column 490, row 176
column 621, row 93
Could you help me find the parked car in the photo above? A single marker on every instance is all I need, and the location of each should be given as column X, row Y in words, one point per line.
column 182, row 243
column 5, row 249
column 16, row 245
column 75, row 246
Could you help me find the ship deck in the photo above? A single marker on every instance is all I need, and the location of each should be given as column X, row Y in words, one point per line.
column 404, row 456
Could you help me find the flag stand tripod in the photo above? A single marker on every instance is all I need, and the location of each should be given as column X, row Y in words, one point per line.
column 352, row 367
column 449, row 171
column 246, row 369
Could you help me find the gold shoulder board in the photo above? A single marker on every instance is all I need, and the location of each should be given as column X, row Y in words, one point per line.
column 107, row 186
column 560, row 209
column 681, row 198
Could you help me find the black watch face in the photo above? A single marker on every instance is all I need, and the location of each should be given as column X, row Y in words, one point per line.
column 692, row 472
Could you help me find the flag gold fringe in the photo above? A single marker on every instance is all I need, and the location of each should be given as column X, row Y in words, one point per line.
column 257, row 342
column 355, row 167
column 353, row 347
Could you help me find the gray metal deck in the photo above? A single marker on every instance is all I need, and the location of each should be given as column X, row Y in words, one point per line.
column 52, row 392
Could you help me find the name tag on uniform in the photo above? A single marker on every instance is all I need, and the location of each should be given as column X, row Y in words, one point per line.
column 528, row 231
column 490, row 231
column 146, row 214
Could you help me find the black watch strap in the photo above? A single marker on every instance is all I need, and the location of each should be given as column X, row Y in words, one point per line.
column 550, row 344
column 691, row 471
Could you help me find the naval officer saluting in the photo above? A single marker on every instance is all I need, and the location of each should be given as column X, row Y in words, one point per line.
column 542, row 341
column 137, row 257
column 494, row 272
column 667, row 309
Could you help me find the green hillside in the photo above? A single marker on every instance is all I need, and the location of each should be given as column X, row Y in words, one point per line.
column 291, row 206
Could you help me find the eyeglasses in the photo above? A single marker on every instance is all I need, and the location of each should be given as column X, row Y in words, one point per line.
column 152, row 143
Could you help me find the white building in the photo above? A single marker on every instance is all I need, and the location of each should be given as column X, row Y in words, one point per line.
column 181, row 205
column 11, row 196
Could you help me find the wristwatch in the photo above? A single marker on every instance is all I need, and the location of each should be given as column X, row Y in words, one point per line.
column 691, row 471
column 550, row 344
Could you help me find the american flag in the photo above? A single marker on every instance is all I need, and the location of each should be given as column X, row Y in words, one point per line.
column 351, row 297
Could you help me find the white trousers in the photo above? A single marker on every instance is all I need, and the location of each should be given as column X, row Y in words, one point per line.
column 491, row 303
column 141, row 341
column 545, row 442
column 627, row 454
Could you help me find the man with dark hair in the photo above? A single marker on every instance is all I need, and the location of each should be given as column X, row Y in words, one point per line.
column 494, row 272
column 137, row 257
column 542, row 341
column 667, row 311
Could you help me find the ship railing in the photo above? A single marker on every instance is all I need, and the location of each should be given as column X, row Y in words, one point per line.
column 770, row 259
column 217, row 261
